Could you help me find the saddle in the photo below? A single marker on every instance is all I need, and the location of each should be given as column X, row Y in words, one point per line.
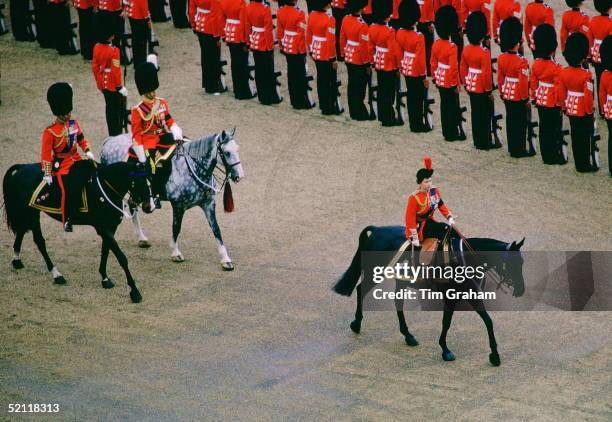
column 48, row 198
column 426, row 253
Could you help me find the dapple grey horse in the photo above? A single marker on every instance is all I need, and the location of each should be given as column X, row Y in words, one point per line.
column 192, row 181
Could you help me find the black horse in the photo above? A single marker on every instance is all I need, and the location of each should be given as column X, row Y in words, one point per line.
column 105, row 191
column 508, row 265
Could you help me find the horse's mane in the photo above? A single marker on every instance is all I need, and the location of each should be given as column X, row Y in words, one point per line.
column 487, row 244
column 200, row 147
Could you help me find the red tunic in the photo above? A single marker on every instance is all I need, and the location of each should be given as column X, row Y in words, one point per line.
column 109, row 5
column 291, row 29
column 321, row 36
column 259, row 26
column 427, row 11
column 573, row 21
column 504, row 9
column 83, row 4
column 475, row 70
column 355, row 41
column 544, row 83
column 576, row 90
column 386, row 50
column 206, row 17
column 59, row 141
column 605, row 94
column 412, row 53
column 338, row 4
column 599, row 28
column 537, row 13
column 513, row 77
column 483, row 6
column 234, row 31
column 444, row 64
column 420, row 208
column 136, row 9
column 150, row 120
column 106, row 67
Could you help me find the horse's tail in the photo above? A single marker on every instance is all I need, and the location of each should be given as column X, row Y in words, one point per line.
column 346, row 284
column 14, row 219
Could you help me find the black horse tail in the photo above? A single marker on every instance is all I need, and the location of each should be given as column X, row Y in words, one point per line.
column 346, row 284
column 14, row 218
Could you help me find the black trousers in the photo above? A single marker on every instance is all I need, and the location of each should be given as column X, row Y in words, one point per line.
column 327, row 89
column 210, row 62
column 44, row 24
column 86, row 32
column 140, row 39
column 356, row 90
column 158, row 11
column 21, row 22
column 265, row 79
column 59, row 13
column 436, row 230
column 178, row 9
column 338, row 15
column 415, row 103
column 239, row 54
column 581, row 132
column 387, row 89
column 550, row 134
column 115, row 109
column 73, row 185
column 426, row 29
column 481, row 110
column 297, row 81
column 450, row 113
column 516, row 127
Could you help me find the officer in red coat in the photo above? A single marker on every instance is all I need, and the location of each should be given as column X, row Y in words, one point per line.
column 605, row 92
column 484, row 6
column 600, row 27
column 61, row 24
column 137, row 12
column 426, row 27
column 502, row 10
column 536, row 13
column 574, row 20
column 338, row 8
column 85, row 10
column 59, row 152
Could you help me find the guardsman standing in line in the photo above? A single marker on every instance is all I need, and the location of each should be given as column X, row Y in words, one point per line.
column 425, row 26
column 599, row 28
column 235, row 36
column 321, row 41
column 140, row 23
column 513, row 83
column 261, row 42
column 605, row 92
column 386, row 61
column 44, row 23
column 573, row 20
column 483, row 6
column 338, row 8
column 458, row 36
column 476, row 77
column 544, row 88
column 106, row 68
column 115, row 8
column 502, row 10
column 59, row 14
column 291, row 35
column 413, row 65
column 21, row 21
column 59, row 152
column 86, row 26
column 207, row 22
column 445, row 71
column 536, row 13
column 355, row 47
column 576, row 90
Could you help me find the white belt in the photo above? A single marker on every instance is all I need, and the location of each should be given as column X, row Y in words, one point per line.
column 257, row 29
column 319, row 39
column 575, row 94
column 107, row 70
column 408, row 54
column 291, row 33
column 233, row 21
column 353, row 43
column 597, row 41
column 545, row 85
column 381, row 50
column 609, row 98
column 474, row 70
column 200, row 10
column 509, row 79
column 443, row 66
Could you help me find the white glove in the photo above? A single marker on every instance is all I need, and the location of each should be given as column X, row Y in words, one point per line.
column 139, row 150
column 451, row 221
column 177, row 132
column 415, row 242
column 152, row 58
column 48, row 180
column 123, row 91
column 89, row 155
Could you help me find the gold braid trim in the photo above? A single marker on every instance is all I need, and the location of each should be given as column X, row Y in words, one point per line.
column 149, row 117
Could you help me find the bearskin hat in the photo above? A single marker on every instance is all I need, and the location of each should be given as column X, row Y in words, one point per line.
column 146, row 78
column 59, row 97
column 545, row 40
column 605, row 53
column 446, row 21
column 381, row 10
column 573, row 3
column 510, row 33
column 576, row 49
column 105, row 25
column 353, row 6
column 603, row 6
column 409, row 13
column 319, row 5
column 476, row 27
column 426, row 172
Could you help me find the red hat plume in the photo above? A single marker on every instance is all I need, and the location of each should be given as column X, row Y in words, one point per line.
column 427, row 163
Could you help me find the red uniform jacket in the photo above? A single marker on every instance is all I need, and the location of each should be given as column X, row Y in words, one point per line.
column 386, row 49
column 412, row 53
column 513, row 77
column 206, row 17
column 605, row 94
column 355, row 41
column 259, row 27
column 83, row 4
column 457, row 4
column 106, row 67
column 504, row 9
column 483, row 6
column 150, row 120
column 291, row 29
column 427, row 11
column 444, row 64
column 59, row 152
column 136, row 9
column 109, row 5
column 338, row 4
column 321, row 36
column 544, row 83
column 576, row 90
column 599, row 28
column 234, row 31
column 475, row 70
column 537, row 13
column 573, row 21
column 420, row 208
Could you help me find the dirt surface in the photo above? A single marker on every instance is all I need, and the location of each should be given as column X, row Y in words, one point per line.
column 270, row 340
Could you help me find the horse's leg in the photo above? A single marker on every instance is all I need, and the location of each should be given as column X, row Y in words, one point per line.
column 478, row 306
column 208, row 205
column 58, row 278
column 178, row 211
column 107, row 283
column 449, row 309
column 17, row 264
column 356, row 324
column 143, row 240
column 399, row 306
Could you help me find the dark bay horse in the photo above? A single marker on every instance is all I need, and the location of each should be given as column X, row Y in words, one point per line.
column 508, row 265
column 105, row 191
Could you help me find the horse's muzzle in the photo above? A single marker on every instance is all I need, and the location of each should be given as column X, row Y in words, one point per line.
column 236, row 179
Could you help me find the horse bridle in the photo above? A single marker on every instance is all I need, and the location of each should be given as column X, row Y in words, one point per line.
column 122, row 210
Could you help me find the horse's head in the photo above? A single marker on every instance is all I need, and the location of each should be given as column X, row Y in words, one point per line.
column 228, row 151
column 140, row 189
column 511, row 268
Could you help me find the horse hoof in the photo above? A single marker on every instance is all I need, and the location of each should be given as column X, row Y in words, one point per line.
column 107, row 283
column 144, row 244
column 178, row 258
column 227, row 266
column 59, row 280
column 411, row 341
column 494, row 359
column 17, row 264
column 135, row 296
column 448, row 356
column 356, row 326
